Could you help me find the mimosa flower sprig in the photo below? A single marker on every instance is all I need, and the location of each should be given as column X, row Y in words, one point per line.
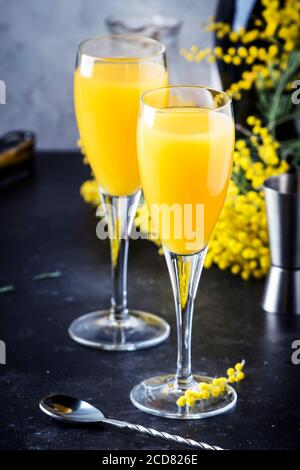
column 215, row 389
column 268, row 59
column 278, row 34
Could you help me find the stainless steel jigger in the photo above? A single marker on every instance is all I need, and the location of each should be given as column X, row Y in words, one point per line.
column 282, row 288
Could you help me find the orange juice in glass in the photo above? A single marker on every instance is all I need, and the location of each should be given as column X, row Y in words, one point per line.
column 107, row 101
column 185, row 150
column 180, row 164
column 110, row 76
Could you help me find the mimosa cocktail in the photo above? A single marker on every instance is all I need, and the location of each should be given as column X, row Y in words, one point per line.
column 111, row 74
column 185, row 149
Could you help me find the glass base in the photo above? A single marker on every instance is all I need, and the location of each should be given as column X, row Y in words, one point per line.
column 99, row 330
column 158, row 396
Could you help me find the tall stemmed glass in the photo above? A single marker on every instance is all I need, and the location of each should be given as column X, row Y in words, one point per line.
column 185, row 148
column 111, row 74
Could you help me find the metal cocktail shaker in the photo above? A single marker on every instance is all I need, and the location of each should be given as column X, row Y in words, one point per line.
column 282, row 288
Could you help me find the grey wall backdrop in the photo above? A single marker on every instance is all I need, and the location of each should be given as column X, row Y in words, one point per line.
column 38, row 41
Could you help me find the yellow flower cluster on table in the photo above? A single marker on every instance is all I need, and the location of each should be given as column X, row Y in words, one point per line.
column 214, row 389
column 279, row 25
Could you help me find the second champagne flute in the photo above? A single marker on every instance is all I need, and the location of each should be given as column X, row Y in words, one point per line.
column 111, row 74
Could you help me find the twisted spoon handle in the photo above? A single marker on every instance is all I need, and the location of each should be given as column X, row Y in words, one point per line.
column 162, row 435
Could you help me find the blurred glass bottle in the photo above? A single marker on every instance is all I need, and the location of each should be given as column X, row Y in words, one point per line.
column 164, row 29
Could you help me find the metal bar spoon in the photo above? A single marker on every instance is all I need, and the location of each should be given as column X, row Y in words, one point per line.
column 72, row 410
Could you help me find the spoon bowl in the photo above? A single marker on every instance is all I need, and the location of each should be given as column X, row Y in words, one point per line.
column 67, row 408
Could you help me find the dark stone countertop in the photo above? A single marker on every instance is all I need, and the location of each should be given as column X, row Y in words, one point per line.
column 45, row 226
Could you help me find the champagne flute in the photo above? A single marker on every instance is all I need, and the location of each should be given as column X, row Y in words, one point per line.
column 185, row 149
column 111, row 74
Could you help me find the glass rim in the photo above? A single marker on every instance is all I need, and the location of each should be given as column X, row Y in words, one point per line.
column 137, row 37
column 197, row 87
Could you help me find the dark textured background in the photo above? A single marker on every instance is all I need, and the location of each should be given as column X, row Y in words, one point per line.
column 45, row 226
column 38, row 43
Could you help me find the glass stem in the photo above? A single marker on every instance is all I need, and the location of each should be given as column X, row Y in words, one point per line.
column 185, row 272
column 119, row 212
